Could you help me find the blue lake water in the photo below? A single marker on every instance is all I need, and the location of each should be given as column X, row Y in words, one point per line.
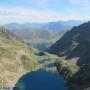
column 41, row 80
column 50, row 65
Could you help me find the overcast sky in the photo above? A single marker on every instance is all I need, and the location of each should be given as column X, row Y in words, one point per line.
column 43, row 10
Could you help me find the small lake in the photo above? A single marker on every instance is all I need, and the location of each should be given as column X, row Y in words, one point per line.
column 43, row 61
column 41, row 80
column 50, row 65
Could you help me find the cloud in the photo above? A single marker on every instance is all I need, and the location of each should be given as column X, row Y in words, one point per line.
column 21, row 15
column 26, row 15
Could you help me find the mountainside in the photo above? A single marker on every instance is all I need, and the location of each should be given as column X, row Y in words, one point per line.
column 41, row 35
column 40, row 39
column 74, row 46
column 15, row 58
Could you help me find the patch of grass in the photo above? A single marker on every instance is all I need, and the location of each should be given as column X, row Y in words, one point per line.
column 27, row 63
column 3, row 82
column 37, row 58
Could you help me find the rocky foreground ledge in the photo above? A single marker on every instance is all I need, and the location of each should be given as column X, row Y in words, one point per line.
column 77, row 76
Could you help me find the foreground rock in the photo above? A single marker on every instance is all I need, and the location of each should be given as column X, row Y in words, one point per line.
column 77, row 77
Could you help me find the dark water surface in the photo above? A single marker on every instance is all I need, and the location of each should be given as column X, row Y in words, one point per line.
column 41, row 80
column 43, row 61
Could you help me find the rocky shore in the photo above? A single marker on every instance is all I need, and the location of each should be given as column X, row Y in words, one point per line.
column 78, row 77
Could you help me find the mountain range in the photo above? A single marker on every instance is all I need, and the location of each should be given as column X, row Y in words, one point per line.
column 58, row 25
column 41, row 35
column 16, row 58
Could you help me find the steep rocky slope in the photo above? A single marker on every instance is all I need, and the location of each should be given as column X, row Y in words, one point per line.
column 77, row 77
column 74, row 46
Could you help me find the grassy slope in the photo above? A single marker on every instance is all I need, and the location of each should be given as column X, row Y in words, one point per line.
column 47, row 59
column 15, row 58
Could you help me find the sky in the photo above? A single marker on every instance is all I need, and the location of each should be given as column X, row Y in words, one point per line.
column 36, row 11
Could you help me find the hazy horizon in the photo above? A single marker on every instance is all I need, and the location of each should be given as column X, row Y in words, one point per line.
column 41, row 11
column 42, row 22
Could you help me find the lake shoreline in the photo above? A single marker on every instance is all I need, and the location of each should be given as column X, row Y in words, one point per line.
column 42, row 80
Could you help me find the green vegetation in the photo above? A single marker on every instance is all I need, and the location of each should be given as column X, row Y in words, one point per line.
column 15, row 58
column 3, row 82
column 77, row 77
column 67, row 69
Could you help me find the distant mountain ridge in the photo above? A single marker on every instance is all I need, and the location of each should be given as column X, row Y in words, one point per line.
column 59, row 25
column 41, row 35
